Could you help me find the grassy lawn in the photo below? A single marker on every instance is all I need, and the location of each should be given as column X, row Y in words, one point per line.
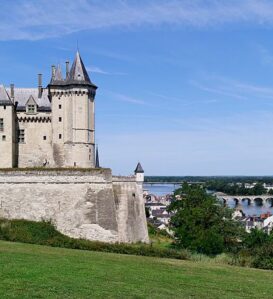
column 32, row 271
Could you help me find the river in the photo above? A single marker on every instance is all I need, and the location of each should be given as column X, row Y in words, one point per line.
column 163, row 189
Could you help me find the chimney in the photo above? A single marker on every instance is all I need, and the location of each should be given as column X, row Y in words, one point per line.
column 40, row 87
column 12, row 92
column 53, row 74
column 67, row 69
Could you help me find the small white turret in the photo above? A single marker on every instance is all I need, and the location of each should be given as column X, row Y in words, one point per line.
column 139, row 173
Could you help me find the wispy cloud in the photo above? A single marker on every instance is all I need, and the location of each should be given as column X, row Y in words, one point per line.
column 38, row 19
column 265, row 55
column 234, row 89
column 126, row 98
column 98, row 70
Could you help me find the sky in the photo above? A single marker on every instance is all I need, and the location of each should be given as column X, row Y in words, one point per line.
column 185, row 87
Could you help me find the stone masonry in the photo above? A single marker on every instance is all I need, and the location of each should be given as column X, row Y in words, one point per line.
column 89, row 204
column 53, row 129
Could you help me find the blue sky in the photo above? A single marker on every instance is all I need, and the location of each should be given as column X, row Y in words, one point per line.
column 185, row 87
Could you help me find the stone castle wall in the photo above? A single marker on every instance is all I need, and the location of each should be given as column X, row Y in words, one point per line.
column 82, row 204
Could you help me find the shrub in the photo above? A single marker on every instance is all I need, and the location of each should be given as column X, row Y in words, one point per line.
column 44, row 233
column 263, row 257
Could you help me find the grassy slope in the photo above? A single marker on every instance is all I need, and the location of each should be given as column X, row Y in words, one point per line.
column 32, row 271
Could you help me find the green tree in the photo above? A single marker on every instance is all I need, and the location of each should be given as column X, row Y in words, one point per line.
column 259, row 189
column 200, row 223
column 256, row 238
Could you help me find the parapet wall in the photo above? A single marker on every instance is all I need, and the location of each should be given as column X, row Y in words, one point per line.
column 81, row 203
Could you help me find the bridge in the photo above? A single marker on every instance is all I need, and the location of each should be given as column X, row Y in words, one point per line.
column 250, row 199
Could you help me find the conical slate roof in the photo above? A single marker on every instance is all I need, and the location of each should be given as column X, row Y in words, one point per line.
column 78, row 71
column 139, row 168
column 4, row 97
column 58, row 75
column 77, row 75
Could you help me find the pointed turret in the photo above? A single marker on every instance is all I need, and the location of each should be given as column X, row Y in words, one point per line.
column 139, row 174
column 97, row 158
column 58, row 75
column 4, row 97
column 78, row 73
column 139, row 169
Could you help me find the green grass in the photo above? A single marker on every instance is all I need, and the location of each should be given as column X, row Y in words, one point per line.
column 33, row 271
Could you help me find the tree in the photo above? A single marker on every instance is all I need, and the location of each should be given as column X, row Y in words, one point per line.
column 201, row 223
column 259, row 189
column 256, row 238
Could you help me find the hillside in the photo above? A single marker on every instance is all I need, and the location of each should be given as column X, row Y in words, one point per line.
column 29, row 271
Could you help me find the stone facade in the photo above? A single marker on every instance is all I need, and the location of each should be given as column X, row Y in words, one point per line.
column 54, row 128
column 90, row 204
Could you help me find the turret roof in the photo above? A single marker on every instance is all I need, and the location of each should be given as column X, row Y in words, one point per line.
column 139, row 168
column 58, row 75
column 77, row 76
column 78, row 71
column 4, row 97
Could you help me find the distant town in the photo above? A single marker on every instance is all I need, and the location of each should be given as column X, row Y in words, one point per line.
column 239, row 193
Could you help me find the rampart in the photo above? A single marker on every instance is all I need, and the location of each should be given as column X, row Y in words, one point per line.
column 86, row 203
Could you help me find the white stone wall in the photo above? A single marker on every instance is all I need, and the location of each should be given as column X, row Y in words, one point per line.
column 35, row 151
column 130, row 210
column 82, row 204
column 7, row 143
column 76, row 145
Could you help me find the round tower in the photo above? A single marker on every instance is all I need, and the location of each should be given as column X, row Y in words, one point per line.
column 73, row 116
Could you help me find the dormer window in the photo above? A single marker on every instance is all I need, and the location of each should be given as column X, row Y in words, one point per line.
column 31, row 106
column 31, row 109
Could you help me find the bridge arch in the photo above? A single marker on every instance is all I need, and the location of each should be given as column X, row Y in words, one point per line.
column 270, row 201
column 247, row 199
column 236, row 201
column 259, row 201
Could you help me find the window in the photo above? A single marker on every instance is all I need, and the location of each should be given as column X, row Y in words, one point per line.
column 60, row 136
column 44, row 137
column 60, row 119
column 21, row 136
column 31, row 108
column 1, row 124
column 60, row 106
column 4, row 138
column 4, row 107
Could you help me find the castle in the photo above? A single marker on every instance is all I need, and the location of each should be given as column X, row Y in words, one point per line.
column 52, row 126
column 49, row 169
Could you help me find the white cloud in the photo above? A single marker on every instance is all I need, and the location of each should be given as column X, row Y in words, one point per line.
column 98, row 70
column 39, row 19
column 125, row 98
column 234, row 89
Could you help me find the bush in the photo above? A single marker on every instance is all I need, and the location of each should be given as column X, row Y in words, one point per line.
column 263, row 257
column 44, row 233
